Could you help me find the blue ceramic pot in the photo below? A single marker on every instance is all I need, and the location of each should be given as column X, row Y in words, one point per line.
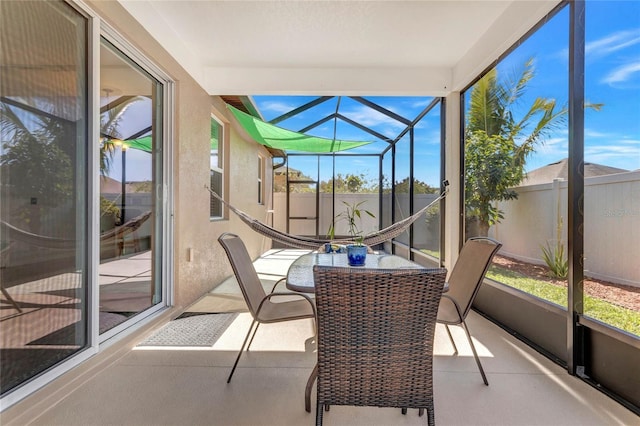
column 356, row 254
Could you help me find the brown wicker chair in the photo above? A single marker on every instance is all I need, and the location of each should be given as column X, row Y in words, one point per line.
column 262, row 309
column 375, row 337
column 465, row 280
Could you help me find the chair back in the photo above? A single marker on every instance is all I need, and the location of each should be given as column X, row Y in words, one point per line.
column 244, row 271
column 375, row 335
column 469, row 271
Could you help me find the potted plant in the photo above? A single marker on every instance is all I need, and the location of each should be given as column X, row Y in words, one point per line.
column 356, row 251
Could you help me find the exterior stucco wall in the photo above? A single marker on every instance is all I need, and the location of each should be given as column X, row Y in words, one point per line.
column 192, row 226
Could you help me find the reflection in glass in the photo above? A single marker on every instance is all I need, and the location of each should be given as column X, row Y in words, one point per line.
column 130, row 167
column 43, row 157
column 216, row 169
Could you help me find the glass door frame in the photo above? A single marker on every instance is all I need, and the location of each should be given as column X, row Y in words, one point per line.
column 163, row 189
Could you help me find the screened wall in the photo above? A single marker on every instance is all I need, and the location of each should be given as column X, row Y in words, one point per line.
column 556, row 184
column 312, row 190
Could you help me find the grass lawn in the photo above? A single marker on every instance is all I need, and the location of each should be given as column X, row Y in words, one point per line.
column 622, row 318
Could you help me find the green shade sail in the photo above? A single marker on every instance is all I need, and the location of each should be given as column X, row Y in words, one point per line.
column 143, row 144
column 276, row 137
column 268, row 135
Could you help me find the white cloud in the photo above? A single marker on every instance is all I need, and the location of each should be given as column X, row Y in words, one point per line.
column 621, row 74
column 421, row 103
column 624, row 154
column 372, row 118
column 556, row 147
column 612, row 43
column 595, row 134
column 276, row 106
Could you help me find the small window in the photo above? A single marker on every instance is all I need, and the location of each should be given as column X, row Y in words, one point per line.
column 217, row 175
column 260, row 179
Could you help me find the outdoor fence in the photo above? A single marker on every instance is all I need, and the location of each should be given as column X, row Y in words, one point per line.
column 611, row 225
column 611, row 217
column 303, row 205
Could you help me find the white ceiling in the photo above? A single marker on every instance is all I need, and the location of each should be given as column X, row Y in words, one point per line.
column 422, row 48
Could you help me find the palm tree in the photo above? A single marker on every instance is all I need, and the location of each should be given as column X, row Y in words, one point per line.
column 497, row 144
column 110, row 121
column 35, row 164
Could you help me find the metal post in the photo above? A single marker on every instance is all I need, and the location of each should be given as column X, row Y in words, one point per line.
column 411, row 188
column 575, row 222
column 123, row 148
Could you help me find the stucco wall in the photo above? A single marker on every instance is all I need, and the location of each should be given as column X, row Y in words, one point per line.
column 192, row 227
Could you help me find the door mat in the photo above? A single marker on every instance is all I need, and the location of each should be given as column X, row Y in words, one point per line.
column 197, row 330
column 219, row 303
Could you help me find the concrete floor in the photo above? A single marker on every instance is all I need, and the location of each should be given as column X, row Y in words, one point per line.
column 187, row 386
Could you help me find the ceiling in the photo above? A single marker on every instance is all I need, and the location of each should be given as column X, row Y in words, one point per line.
column 411, row 48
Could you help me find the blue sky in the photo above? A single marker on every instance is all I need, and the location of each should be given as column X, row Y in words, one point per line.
column 612, row 135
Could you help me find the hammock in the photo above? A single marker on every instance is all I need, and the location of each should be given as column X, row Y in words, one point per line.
column 16, row 234
column 297, row 241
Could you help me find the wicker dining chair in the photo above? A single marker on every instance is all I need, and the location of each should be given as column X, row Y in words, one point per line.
column 375, row 337
column 261, row 307
column 463, row 286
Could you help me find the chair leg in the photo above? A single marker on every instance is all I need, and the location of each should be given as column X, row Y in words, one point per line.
column 319, row 413
column 475, row 354
column 404, row 411
column 309, row 387
column 455, row 348
column 421, row 412
column 240, row 352
column 431, row 416
column 254, row 335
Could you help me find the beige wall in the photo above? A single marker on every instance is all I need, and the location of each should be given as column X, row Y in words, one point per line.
column 192, row 227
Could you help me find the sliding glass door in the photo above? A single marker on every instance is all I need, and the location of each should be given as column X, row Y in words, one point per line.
column 44, row 307
column 130, row 177
column 52, row 157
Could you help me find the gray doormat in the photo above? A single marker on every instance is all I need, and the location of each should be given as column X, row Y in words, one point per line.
column 196, row 330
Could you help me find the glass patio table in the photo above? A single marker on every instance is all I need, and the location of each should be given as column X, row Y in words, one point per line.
column 300, row 274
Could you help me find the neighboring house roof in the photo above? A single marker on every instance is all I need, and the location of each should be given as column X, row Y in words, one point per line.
column 109, row 185
column 560, row 170
column 282, row 170
column 112, row 186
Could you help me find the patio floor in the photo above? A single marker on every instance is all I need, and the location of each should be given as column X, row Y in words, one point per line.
column 187, row 385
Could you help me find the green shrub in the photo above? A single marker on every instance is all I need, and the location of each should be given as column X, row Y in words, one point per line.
column 556, row 261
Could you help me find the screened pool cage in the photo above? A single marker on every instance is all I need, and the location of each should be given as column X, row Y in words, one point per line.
column 368, row 156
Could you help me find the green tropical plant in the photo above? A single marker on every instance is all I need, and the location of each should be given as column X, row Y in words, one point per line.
column 555, row 259
column 419, row 187
column 554, row 256
column 492, row 171
column 352, row 215
column 35, row 162
column 349, row 183
column 109, row 208
column 110, row 121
